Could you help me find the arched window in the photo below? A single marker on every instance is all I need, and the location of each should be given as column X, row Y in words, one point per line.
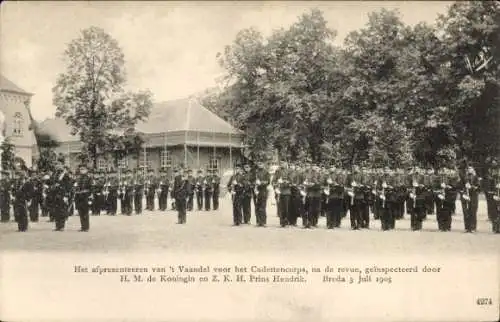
column 17, row 129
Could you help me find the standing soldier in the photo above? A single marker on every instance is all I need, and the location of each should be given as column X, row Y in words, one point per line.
column 192, row 185
column 216, row 189
column 61, row 189
column 470, row 186
column 97, row 191
column 388, row 198
column 284, row 192
column 313, row 186
column 357, row 196
column 332, row 200
column 445, row 197
column 246, row 198
column 262, row 181
column 431, row 204
column 35, row 183
column 163, row 189
column 151, row 185
column 83, row 186
column 172, row 193
column 72, row 179
column 21, row 193
column 138, row 191
column 128, row 193
column 417, row 196
column 274, row 182
column 493, row 193
column 294, row 210
column 113, row 187
column 235, row 186
column 209, row 189
column 5, row 196
column 182, row 191
column 365, row 187
column 200, row 189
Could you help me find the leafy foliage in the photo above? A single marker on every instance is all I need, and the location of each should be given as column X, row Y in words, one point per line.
column 392, row 95
column 8, row 155
column 90, row 95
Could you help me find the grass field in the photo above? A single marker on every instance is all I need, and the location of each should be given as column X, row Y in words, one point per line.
column 213, row 231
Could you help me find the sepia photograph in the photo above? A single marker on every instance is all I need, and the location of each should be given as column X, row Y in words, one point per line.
column 249, row 161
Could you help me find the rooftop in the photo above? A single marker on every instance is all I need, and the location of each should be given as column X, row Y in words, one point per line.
column 170, row 116
column 9, row 86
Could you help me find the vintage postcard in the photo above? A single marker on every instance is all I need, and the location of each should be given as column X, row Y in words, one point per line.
column 249, row 161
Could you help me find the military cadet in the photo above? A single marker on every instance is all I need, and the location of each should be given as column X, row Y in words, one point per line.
column 324, row 173
column 150, row 187
column 97, row 193
column 5, row 196
column 138, row 191
column 274, row 184
column 236, row 189
column 401, row 193
column 34, row 182
column 21, row 193
column 246, row 197
column 128, row 193
column 172, row 193
column 356, row 194
column 470, row 186
column 388, row 198
column 182, row 190
column 44, row 205
column 446, row 196
column 492, row 190
column 61, row 189
column 192, row 183
column 366, row 189
column 163, row 189
column 284, row 192
column 215, row 189
column 209, row 189
column 332, row 202
column 113, row 187
column 377, row 176
column 200, row 187
column 72, row 179
column 314, row 192
column 295, row 198
column 431, row 178
column 417, row 195
column 83, row 193
column 299, row 193
column 262, row 181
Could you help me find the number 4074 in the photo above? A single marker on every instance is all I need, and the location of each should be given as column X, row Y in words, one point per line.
column 484, row 301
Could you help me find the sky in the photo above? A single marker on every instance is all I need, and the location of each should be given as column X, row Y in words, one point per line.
column 169, row 47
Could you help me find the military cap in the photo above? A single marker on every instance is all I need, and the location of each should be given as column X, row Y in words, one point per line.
column 61, row 159
column 201, row 171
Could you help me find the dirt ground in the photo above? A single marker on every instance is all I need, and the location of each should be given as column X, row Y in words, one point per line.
column 213, row 231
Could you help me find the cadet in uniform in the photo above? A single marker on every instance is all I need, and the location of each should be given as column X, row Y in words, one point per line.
column 163, row 190
column 246, row 197
column 5, row 196
column 216, row 189
column 35, row 183
column 151, row 185
column 192, row 186
column 236, row 189
column 113, row 187
column 470, row 186
column 284, row 193
column 97, row 193
column 83, row 195
column 295, row 198
column 200, row 189
column 313, row 189
column 418, row 193
column 21, row 192
column 182, row 191
column 357, row 196
column 172, row 193
column 262, row 181
column 61, row 189
column 493, row 193
column 209, row 188
column 138, row 192
column 128, row 193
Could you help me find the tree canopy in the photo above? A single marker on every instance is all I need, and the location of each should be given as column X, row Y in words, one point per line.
column 90, row 95
column 393, row 94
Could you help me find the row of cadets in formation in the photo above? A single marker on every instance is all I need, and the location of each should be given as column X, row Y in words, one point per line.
column 308, row 191
column 34, row 192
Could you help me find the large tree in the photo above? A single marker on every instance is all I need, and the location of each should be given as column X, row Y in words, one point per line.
column 90, row 95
